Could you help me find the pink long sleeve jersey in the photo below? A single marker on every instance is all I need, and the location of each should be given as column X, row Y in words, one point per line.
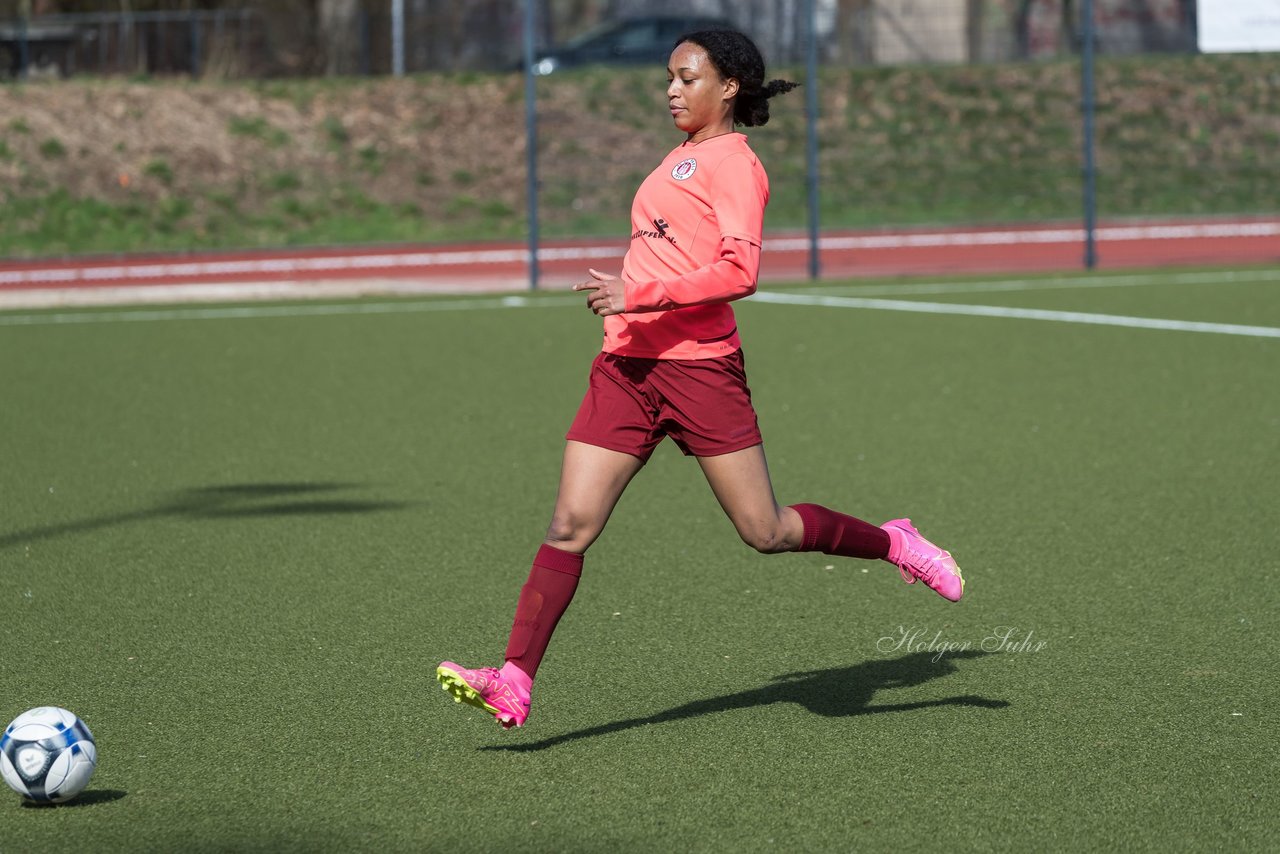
column 697, row 224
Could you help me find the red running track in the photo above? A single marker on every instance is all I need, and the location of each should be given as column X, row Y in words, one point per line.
column 503, row 266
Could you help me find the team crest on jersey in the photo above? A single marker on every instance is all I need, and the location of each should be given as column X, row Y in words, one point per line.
column 684, row 169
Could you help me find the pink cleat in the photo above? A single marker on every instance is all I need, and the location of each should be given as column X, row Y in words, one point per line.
column 486, row 689
column 916, row 558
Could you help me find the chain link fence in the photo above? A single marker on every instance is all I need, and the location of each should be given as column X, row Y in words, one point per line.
column 219, row 43
column 292, row 37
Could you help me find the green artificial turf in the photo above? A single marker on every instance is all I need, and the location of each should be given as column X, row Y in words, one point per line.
column 238, row 545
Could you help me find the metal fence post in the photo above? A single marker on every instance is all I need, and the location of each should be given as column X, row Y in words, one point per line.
column 366, row 44
column 24, row 49
column 811, row 134
column 195, row 44
column 531, row 137
column 397, row 37
column 126, row 37
column 1088, row 107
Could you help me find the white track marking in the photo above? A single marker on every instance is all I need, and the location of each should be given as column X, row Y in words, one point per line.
column 170, row 270
column 160, row 270
column 1018, row 314
column 1040, row 235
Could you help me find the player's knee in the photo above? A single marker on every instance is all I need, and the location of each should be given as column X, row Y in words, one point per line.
column 766, row 539
column 571, row 531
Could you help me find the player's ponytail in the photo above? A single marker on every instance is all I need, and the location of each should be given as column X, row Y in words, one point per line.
column 753, row 110
column 735, row 55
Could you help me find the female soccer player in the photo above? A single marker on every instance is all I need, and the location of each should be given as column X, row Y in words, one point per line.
column 672, row 365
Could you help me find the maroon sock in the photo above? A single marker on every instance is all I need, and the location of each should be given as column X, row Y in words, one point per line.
column 834, row 533
column 543, row 600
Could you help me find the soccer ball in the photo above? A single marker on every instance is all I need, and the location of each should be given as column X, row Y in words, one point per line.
column 47, row 755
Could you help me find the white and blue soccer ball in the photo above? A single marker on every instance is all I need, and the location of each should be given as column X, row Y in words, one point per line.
column 47, row 755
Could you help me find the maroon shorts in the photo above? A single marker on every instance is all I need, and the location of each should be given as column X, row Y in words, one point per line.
column 704, row 405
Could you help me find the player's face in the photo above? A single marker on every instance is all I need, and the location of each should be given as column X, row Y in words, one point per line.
column 701, row 101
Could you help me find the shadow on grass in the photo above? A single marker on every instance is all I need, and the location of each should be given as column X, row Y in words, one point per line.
column 837, row 692
column 84, row 799
column 233, row 501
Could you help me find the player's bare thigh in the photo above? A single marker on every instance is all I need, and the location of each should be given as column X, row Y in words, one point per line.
column 592, row 480
column 740, row 481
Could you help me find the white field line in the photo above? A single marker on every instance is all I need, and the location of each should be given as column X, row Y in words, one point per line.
column 318, row 289
column 1018, row 314
column 167, row 270
column 315, row 290
column 775, row 297
column 297, row 310
column 226, row 292
column 1039, row 284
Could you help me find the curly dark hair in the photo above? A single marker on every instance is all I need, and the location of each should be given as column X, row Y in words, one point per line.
column 735, row 55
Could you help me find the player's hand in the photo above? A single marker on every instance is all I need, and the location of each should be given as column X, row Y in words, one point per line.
column 605, row 294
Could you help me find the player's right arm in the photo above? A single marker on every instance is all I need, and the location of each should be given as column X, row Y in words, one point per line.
column 739, row 193
column 731, row 276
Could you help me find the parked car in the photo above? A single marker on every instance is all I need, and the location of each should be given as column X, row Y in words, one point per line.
column 630, row 41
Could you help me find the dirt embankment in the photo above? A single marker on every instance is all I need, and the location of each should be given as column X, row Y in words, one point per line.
column 173, row 163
